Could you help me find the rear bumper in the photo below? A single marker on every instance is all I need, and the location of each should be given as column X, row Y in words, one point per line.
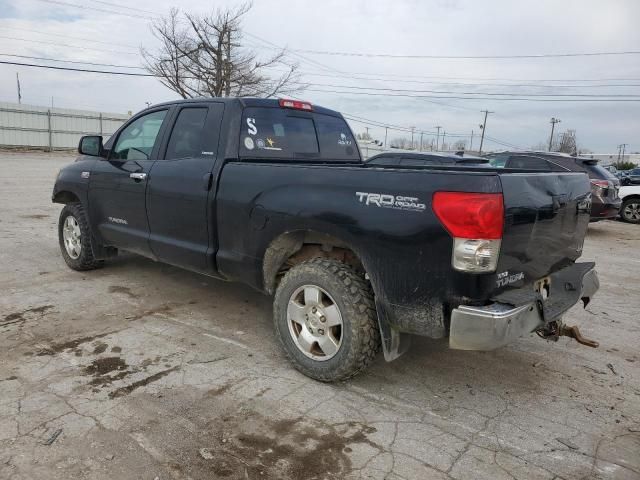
column 605, row 209
column 519, row 313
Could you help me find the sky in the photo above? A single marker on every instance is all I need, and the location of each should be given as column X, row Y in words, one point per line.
column 388, row 90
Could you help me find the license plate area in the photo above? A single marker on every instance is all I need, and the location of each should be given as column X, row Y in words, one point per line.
column 543, row 287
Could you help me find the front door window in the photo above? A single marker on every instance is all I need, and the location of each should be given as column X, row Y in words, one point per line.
column 136, row 141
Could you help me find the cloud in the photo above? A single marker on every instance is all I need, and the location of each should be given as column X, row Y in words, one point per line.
column 412, row 27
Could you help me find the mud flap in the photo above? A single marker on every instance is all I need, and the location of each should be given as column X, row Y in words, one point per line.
column 394, row 342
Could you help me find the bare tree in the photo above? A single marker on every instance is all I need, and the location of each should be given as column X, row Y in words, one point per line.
column 539, row 147
column 400, row 143
column 203, row 55
column 567, row 142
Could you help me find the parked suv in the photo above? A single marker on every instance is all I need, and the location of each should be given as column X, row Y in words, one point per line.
column 604, row 185
column 631, row 177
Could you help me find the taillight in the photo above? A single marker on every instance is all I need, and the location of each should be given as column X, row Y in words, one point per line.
column 475, row 221
column 600, row 183
column 295, row 104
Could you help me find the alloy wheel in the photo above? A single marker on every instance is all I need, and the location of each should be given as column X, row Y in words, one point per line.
column 315, row 322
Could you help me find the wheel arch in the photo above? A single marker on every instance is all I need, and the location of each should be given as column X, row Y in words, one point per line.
column 65, row 196
column 290, row 248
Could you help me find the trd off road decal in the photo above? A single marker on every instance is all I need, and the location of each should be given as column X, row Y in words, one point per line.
column 397, row 202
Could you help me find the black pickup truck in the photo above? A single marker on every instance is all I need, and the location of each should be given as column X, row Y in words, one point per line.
column 275, row 194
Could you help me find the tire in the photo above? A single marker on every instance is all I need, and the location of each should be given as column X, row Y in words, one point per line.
column 79, row 253
column 340, row 351
column 630, row 210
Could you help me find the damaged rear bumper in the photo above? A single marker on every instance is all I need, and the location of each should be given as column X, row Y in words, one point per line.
column 519, row 312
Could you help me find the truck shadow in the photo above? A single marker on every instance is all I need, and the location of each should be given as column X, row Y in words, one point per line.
column 233, row 307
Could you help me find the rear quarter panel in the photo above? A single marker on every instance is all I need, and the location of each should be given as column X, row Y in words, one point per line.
column 405, row 251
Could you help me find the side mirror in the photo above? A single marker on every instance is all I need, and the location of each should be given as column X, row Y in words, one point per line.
column 91, row 145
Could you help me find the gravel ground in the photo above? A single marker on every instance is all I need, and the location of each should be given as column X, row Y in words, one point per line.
column 144, row 371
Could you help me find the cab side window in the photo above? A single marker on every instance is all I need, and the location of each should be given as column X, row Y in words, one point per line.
column 498, row 161
column 138, row 138
column 186, row 136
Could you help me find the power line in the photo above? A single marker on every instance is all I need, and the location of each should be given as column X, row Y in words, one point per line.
column 629, row 98
column 84, row 39
column 49, row 59
column 93, row 9
column 431, row 82
column 462, row 57
column 523, row 98
column 402, row 76
column 511, row 94
column 119, row 5
column 42, row 42
column 53, row 67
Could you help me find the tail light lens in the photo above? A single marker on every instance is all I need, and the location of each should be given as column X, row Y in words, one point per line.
column 295, row 104
column 475, row 221
column 600, row 183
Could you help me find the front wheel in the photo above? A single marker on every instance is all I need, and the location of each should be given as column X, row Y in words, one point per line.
column 75, row 239
column 630, row 210
column 325, row 318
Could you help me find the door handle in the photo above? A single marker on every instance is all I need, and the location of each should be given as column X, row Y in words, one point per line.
column 138, row 176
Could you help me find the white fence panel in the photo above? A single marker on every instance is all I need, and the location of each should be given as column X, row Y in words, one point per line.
column 52, row 128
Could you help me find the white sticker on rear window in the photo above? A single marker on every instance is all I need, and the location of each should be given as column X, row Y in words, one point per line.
column 251, row 124
column 343, row 140
column 248, row 142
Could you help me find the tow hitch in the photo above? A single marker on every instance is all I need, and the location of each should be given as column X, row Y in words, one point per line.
column 555, row 330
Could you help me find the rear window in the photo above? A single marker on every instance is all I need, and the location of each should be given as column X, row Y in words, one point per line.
column 289, row 134
column 596, row 171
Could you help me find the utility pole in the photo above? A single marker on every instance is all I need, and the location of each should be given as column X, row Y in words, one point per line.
column 438, row 136
column 19, row 92
column 367, row 129
column 619, row 150
column 553, row 126
column 413, row 129
column 471, row 145
column 386, row 130
column 444, row 134
column 421, row 134
column 483, row 128
column 624, row 147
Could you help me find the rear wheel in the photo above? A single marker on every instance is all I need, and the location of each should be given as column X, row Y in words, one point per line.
column 75, row 238
column 325, row 318
column 630, row 210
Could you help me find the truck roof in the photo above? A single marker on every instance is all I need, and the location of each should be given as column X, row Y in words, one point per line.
column 246, row 102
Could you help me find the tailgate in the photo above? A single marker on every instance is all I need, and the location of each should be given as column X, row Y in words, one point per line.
column 546, row 219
